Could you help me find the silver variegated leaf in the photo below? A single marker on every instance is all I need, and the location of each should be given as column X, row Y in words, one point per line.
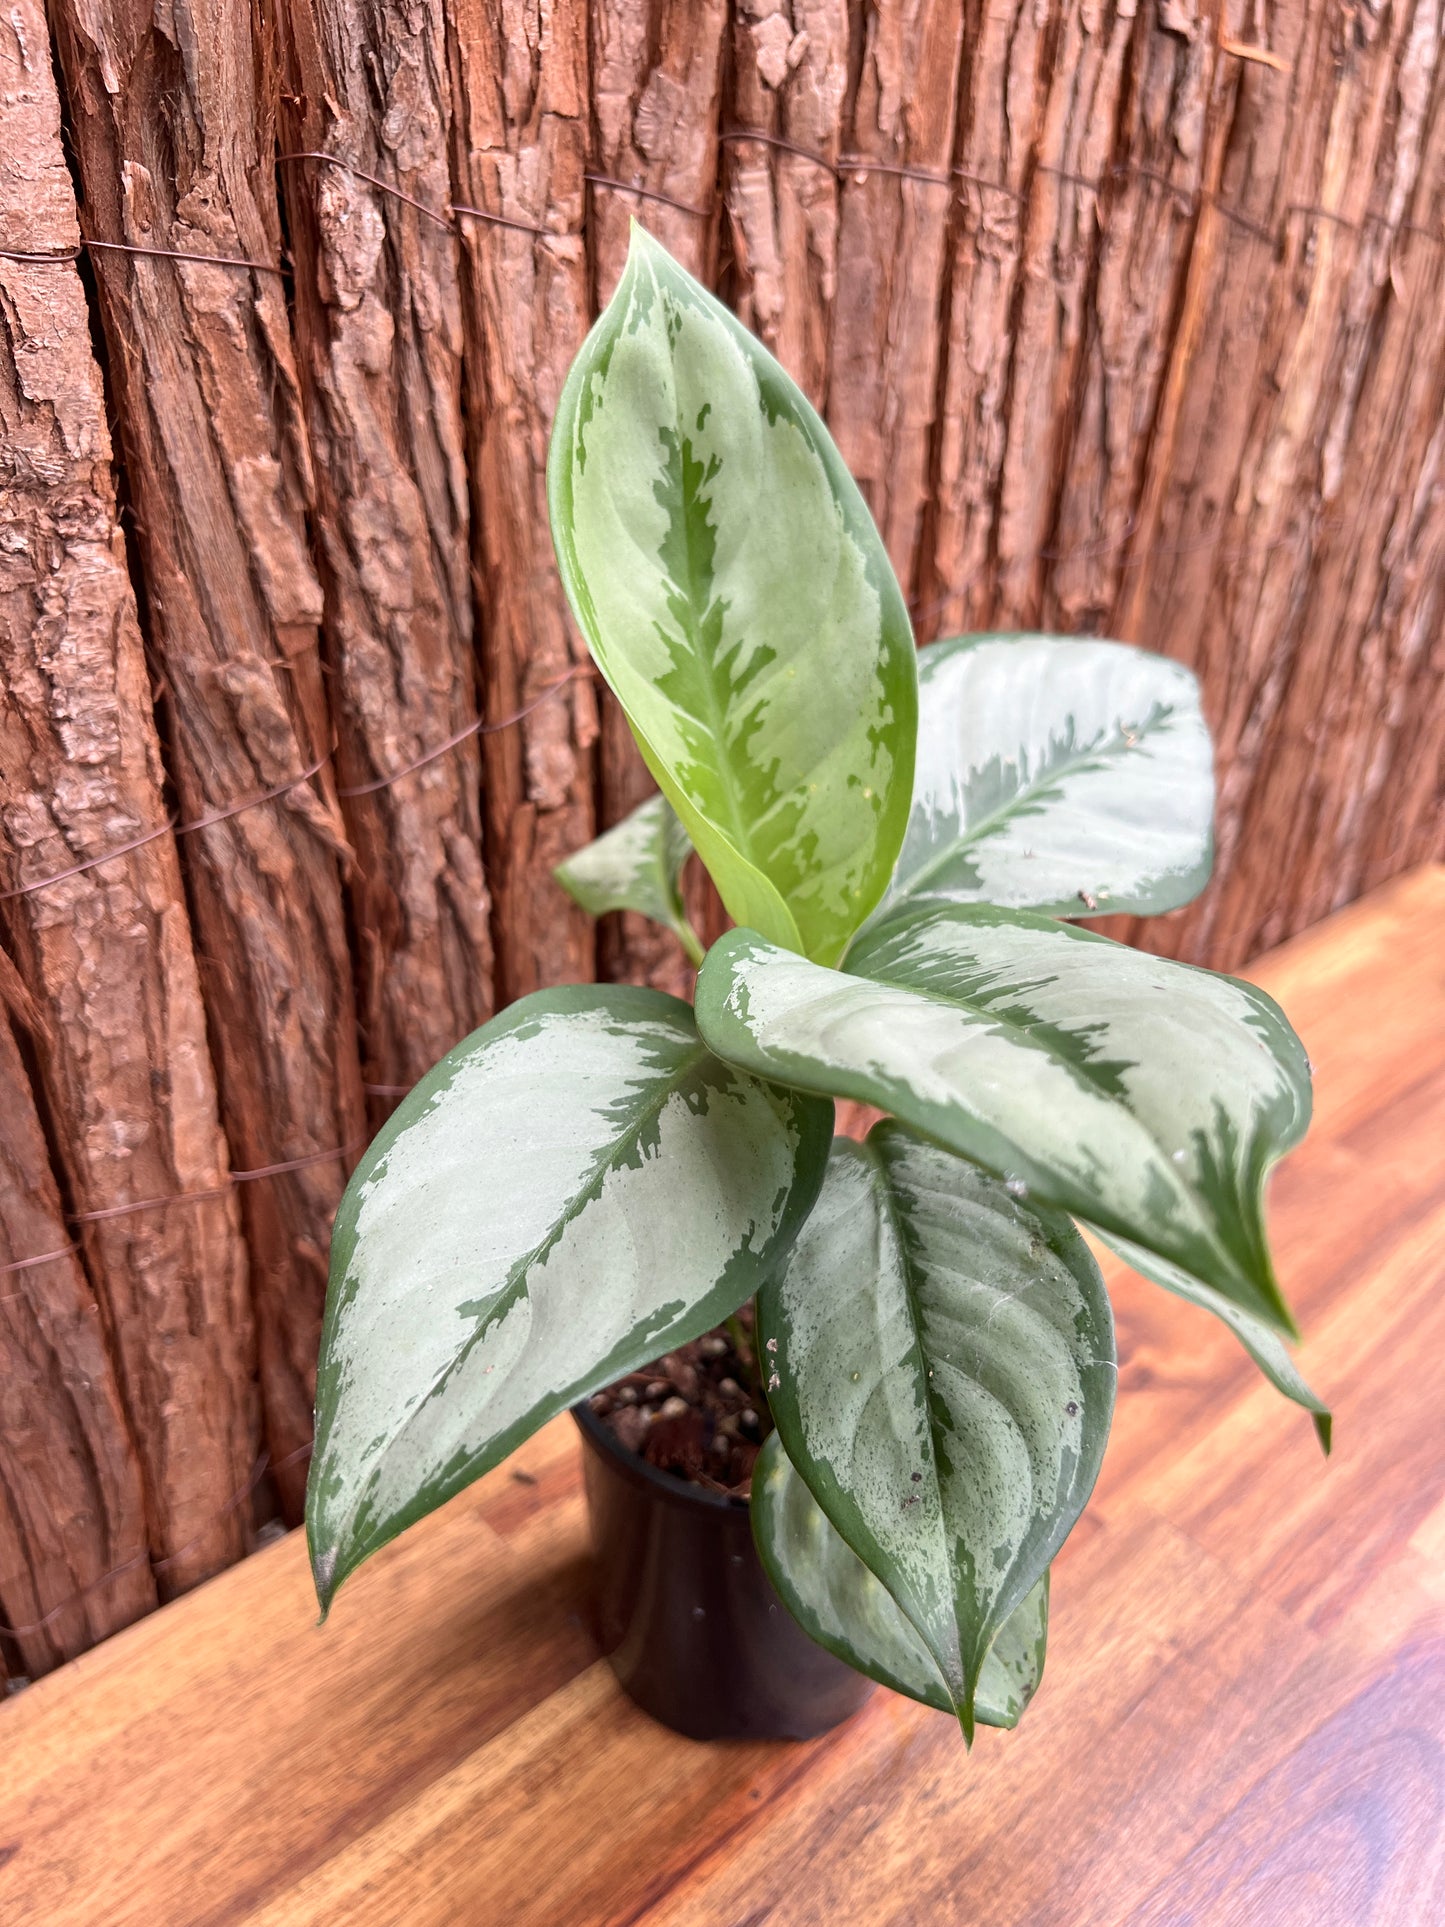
column 577, row 1187
column 636, row 865
column 1145, row 1097
column 941, row 1370
column 1265, row 1347
column 1058, row 774
column 837, row 1601
column 735, row 594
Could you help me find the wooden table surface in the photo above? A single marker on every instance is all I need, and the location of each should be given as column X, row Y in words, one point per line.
column 1242, row 1721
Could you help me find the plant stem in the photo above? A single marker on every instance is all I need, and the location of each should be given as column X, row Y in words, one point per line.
column 745, row 1347
column 690, row 941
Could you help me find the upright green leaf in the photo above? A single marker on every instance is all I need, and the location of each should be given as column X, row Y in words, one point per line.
column 941, row 1370
column 1058, row 774
column 837, row 1601
column 636, row 865
column 1145, row 1097
column 576, row 1188
column 1265, row 1347
column 735, row 594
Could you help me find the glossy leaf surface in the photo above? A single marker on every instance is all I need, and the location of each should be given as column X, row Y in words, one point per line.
column 1057, row 774
column 735, row 594
column 576, row 1188
column 837, row 1601
column 941, row 1371
column 636, row 865
column 1146, row 1097
column 1265, row 1346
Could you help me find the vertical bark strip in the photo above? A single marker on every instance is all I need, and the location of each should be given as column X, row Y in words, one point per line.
column 72, row 1507
column 1149, row 197
column 892, row 232
column 1081, row 60
column 1212, row 424
column 1292, row 540
column 379, row 330
column 176, row 144
column 519, row 153
column 106, row 954
column 1036, row 159
column 656, row 96
column 656, row 93
column 790, row 81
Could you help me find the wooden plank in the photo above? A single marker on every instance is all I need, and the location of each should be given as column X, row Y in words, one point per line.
column 1243, row 1719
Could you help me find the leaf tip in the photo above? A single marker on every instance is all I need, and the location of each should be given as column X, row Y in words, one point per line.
column 1324, row 1423
column 324, row 1575
column 965, row 1701
column 641, row 242
column 562, row 875
column 966, row 1720
column 1273, row 1306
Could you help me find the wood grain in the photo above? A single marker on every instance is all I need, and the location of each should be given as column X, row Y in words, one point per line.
column 1243, row 1719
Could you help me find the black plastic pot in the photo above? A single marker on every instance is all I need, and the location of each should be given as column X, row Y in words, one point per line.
column 688, row 1618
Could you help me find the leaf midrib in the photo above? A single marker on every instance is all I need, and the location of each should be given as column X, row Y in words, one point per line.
column 510, row 1290
column 1028, row 1041
column 714, row 718
column 890, row 1209
column 1102, row 752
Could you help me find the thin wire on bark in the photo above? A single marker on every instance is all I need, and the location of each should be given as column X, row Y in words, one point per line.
column 170, row 826
column 263, row 1464
column 842, row 168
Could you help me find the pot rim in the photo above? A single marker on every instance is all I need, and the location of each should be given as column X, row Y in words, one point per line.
column 665, row 1485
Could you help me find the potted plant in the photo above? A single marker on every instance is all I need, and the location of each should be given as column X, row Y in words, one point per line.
column 603, row 1175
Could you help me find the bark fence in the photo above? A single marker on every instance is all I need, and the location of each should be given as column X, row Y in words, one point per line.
column 1127, row 319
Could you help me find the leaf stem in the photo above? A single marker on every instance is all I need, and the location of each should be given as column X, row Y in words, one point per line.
column 745, row 1349
column 691, row 942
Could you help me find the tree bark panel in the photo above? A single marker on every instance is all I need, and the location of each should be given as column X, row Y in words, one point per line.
column 105, row 955
column 1292, row 546
column 789, row 81
column 520, row 139
column 379, row 341
column 1150, row 204
column 892, row 231
column 72, row 1501
column 175, row 140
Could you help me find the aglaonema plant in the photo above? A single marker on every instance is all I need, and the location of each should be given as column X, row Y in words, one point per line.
column 603, row 1173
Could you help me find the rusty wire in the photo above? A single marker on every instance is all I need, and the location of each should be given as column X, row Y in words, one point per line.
column 843, row 167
